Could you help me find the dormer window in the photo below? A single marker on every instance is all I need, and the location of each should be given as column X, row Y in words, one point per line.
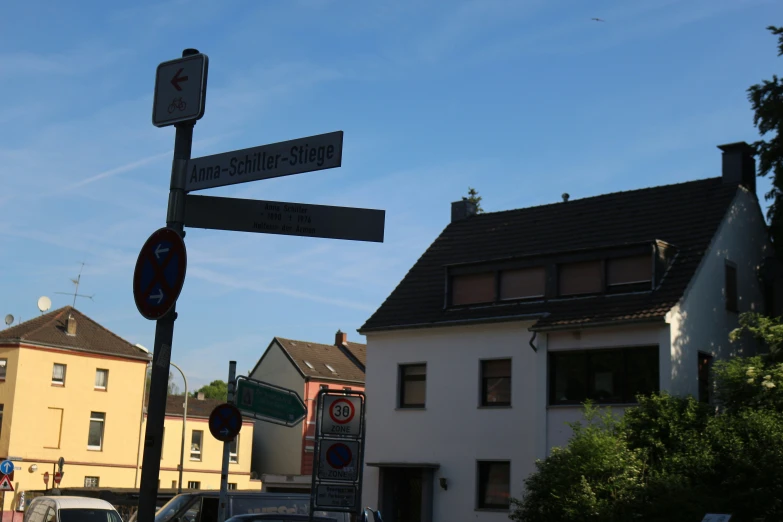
column 579, row 278
column 624, row 271
column 473, row 288
column 525, row 283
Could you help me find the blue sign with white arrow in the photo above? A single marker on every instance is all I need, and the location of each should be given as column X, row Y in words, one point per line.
column 160, row 273
column 225, row 421
column 6, row 467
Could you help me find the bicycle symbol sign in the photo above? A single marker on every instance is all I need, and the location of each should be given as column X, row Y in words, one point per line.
column 177, row 104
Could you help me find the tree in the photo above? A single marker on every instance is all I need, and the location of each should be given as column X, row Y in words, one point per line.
column 474, row 198
column 768, row 330
column 766, row 99
column 173, row 389
column 214, row 390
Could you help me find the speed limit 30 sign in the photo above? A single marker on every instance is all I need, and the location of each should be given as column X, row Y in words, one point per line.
column 342, row 416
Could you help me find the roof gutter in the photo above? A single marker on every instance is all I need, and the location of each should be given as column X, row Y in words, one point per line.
column 332, row 379
column 599, row 324
column 455, row 322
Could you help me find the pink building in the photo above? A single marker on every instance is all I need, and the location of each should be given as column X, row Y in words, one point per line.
column 282, row 456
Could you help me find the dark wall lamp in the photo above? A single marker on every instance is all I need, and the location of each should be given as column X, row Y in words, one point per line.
column 443, row 483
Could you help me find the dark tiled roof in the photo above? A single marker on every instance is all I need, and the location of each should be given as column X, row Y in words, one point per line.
column 49, row 330
column 196, row 408
column 319, row 355
column 359, row 351
column 685, row 215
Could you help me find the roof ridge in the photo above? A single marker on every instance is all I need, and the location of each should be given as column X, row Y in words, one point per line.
column 103, row 327
column 311, row 342
column 587, row 198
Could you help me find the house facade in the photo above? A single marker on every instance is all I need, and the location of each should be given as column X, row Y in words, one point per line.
column 69, row 389
column 281, row 459
column 510, row 320
column 203, row 455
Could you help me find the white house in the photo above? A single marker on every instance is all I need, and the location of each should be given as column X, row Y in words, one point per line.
column 510, row 320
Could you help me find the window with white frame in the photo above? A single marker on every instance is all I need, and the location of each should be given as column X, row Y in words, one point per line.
column 101, row 379
column 95, row 435
column 196, row 440
column 58, row 374
column 91, row 482
column 194, row 484
column 3, row 366
column 233, row 450
column 232, row 486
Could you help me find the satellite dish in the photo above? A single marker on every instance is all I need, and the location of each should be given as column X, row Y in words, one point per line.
column 44, row 303
column 9, row 319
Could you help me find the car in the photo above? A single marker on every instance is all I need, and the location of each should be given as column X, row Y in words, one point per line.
column 70, row 509
column 202, row 506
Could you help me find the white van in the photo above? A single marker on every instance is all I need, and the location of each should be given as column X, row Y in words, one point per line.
column 70, row 509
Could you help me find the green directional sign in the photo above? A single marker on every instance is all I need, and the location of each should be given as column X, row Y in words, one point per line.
column 267, row 402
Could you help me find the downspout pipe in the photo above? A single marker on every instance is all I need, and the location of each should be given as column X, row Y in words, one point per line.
column 533, row 338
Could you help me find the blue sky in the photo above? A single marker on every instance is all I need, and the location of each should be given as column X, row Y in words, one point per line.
column 522, row 99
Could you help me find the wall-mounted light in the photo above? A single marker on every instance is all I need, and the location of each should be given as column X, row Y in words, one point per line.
column 33, row 468
column 443, row 483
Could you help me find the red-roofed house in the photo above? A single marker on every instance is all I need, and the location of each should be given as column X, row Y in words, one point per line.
column 282, row 456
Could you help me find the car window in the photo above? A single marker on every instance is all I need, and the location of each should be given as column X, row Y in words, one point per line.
column 88, row 515
column 50, row 515
column 172, row 507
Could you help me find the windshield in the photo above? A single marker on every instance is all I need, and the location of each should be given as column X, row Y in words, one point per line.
column 171, row 508
column 89, row 515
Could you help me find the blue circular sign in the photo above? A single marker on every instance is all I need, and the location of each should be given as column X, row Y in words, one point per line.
column 339, row 456
column 225, row 421
column 160, row 273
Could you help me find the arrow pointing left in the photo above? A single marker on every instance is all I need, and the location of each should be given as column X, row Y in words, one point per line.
column 178, row 79
column 160, row 250
column 158, row 296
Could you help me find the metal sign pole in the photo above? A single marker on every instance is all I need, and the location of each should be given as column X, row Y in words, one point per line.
column 164, row 334
column 232, row 370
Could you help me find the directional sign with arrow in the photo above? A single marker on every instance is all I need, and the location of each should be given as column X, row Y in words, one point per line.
column 160, row 273
column 225, row 421
column 180, row 90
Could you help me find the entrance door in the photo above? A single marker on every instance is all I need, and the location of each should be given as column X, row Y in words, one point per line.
column 404, row 494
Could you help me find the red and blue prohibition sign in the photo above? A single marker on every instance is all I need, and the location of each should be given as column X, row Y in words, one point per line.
column 160, row 273
column 339, row 456
column 225, row 421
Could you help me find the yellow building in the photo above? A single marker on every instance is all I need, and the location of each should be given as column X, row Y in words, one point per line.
column 203, row 454
column 69, row 388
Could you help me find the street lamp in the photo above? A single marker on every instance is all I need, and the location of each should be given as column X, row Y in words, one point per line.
column 184, row 421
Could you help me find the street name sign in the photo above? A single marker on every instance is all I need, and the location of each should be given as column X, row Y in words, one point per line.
column 337, row 496
column 324, row 151
column 180, row 90
column 339, row 460
column 225, row 422
column 160, row 273
column 342, row 416
column 290, row 219
column 266, row 402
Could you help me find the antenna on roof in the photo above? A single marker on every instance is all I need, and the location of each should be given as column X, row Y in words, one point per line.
column 565, row 196
column 76, row 293
column 9, row 320
column 44, row 303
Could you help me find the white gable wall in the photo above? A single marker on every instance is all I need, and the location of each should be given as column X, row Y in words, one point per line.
column 701, row 322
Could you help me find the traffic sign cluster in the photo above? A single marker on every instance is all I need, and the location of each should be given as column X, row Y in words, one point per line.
column 339, row 454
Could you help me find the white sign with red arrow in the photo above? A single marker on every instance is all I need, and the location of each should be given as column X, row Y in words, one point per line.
column 180, row 90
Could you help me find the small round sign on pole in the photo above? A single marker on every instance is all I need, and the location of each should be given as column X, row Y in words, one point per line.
column 342, row 411
column 160, row 273
column 225, row 422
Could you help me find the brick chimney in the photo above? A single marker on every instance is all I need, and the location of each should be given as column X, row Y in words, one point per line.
column 739, row 165
column 200, row 396
column 340, row 338
column 70, row 325
column 462, row 209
